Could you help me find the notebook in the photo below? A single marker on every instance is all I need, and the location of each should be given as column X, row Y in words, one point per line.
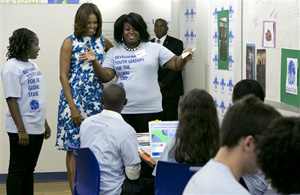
column 161, row 133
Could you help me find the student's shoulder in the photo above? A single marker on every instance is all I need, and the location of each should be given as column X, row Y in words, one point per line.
column 94, row 118
column 128, row 127
column 11, row 66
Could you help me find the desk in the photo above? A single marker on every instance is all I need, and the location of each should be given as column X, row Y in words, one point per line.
column 147, row 165
column 144, row 140
column 148, row 160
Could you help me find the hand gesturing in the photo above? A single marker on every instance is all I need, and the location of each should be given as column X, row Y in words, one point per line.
column 87, row 56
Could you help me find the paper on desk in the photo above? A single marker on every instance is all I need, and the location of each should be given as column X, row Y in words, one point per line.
column 185, row 54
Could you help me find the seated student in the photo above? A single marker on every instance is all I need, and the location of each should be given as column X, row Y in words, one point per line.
column 256, row 184
column 246, row 87
column 278, row 154
column 242, row 123
column 115, row 145
column 197, row 136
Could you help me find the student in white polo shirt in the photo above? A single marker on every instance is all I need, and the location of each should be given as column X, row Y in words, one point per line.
column 26, row 125
column 115, row 146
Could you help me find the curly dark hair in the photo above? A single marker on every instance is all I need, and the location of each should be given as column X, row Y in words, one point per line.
column 20, row 43
column 247, row 87
column 82, row 17
column 197, row 136
column 134, row 20
column 278, row 154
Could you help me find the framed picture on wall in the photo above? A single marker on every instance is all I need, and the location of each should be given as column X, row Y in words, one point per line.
column 261, row 68
column 289, row 87
column 223, row 40
column 269, row 34
column 250, row 61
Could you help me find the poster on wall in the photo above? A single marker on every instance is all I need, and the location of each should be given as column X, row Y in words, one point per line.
column 223, row 39
column 222, row 53
column 188, row 21
column 289, row 90
column 250, row 61
column 291, row 85
column 261, row 68
column 269, row 34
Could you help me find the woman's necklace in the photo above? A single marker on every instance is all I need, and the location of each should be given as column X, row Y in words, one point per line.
column 132, row 49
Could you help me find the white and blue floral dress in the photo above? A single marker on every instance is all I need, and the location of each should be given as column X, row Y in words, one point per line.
column 86, row 90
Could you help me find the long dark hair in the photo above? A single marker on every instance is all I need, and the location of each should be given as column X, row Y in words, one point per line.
column 197, row 136
column 134, row 20
column 82, row 17
column 20, row 43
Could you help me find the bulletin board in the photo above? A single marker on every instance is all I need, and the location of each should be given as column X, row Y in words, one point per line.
column 270, row 26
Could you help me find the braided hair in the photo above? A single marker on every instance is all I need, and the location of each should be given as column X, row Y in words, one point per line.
column 20, row 43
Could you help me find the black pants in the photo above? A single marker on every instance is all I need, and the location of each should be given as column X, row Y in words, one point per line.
column 141, row 186
column 140, row 121
column 22, row 163
column 170, row 107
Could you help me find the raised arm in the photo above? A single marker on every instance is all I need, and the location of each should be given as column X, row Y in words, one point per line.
column 65, row 64
column 177, row 63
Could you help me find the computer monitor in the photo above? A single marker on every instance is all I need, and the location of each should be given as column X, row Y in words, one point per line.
column 161, row 133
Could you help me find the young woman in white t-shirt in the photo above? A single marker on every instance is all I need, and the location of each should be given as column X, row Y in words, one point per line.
column 26, row 125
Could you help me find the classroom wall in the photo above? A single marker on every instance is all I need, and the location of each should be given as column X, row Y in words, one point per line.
column 196, row 73
column 286, row 16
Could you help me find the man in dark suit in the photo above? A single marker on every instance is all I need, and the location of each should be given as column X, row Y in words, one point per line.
column 170, row 82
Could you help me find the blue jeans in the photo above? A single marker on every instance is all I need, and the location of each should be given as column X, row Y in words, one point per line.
column 22, row 163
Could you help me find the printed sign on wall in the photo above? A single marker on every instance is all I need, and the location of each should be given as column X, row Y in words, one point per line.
column 188, row 18
column 291, row 76
column 222, row 41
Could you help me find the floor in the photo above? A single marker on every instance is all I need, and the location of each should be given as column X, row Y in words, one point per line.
column 46, row 188
column 62, row 188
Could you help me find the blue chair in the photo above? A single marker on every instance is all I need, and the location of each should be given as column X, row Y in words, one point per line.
column 171, row 178
column 87, row 175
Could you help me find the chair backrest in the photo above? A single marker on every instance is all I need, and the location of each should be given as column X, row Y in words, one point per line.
column 87, row 176
column 171, row 178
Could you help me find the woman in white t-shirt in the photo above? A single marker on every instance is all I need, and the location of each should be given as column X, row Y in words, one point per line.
column 135, row 61
column 26, row 124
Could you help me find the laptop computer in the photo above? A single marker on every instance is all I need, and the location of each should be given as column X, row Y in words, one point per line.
column 161, row 133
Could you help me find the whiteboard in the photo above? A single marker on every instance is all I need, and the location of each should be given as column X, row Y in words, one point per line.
column 286, row 16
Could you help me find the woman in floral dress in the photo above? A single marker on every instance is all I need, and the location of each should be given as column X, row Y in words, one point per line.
column 81, row 88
